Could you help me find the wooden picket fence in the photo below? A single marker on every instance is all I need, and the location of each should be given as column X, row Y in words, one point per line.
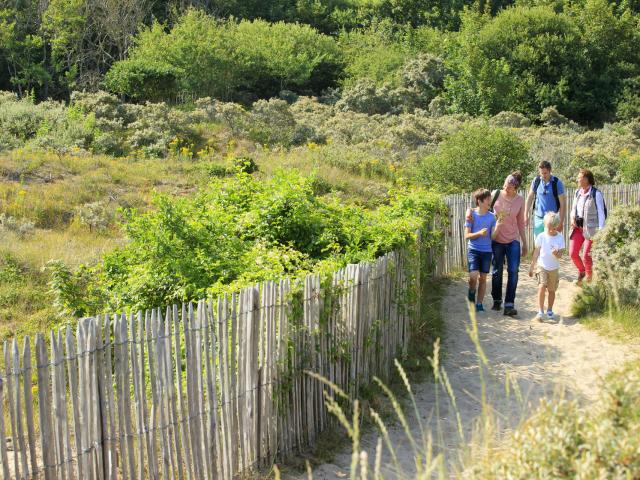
column 455, row 254
column 205, row 390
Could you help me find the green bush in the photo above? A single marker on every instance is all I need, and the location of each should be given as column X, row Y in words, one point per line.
column 143, row 79
column 616, row 261
column 204, row 56
column 475, row 157
column 630, row 169
column 244, row 230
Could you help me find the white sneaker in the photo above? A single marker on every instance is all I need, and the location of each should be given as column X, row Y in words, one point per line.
column 540, row 317
column 550, row 315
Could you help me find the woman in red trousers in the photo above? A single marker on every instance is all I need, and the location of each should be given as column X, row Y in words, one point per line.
column 587, row 217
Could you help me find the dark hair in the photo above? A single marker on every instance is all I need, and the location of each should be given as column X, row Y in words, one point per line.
column 480, row 195
column 517, row 174
column 545, row 164
column 589, row 175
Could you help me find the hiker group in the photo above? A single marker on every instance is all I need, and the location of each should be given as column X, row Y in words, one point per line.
column 495, row 230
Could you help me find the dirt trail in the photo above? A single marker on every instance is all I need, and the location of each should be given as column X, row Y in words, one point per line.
column 543, row 358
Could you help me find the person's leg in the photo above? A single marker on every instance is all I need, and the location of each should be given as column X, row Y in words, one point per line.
column 499, row 250
column 551, row 300
column 512, row 251
column 575, row 244
column 473, row 261
column 541, row 292
column 482, row 287
column 473, row 284
column 538, row 226
column 588, row 261
column 553, row 280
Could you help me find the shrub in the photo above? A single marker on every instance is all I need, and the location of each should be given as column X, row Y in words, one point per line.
column 616, row 256
column 144, row 79
column 566, row 440
column 474, row 157
column 630, row 169
column 11, row 224
column 204, row 56
column 271, row 123
column 365, row 97
column 437, row 107
column 424, row 74
column 510, row 119
column 95, row 215
column 244, row 230
column 245, row 164
column 551, row 117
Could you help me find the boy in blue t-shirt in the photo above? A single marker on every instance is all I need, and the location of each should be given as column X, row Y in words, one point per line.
column 480, row 231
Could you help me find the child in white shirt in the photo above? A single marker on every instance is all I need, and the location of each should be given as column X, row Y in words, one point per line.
column 549, row 248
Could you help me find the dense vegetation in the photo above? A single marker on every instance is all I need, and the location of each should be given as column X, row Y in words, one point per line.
column 564, row 439
column 474, row 57
column 614, row 297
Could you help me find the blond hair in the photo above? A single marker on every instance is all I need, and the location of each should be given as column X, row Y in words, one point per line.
column 552, row 219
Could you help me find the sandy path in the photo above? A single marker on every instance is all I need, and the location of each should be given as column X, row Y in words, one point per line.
column 544, row 359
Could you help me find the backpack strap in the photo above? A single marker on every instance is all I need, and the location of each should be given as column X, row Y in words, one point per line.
column 536, row 184
column 554, row 188
column 496, row 194
column 594, row 193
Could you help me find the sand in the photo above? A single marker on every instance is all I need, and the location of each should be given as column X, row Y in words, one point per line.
column 544, row 359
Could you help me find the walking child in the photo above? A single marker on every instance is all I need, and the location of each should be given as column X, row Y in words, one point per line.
column 546, row 264
column 480, row 231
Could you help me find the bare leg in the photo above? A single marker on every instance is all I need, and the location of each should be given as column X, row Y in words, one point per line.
column 482, row 287
column 552, row 298
column 473, row 280
column 541, row 291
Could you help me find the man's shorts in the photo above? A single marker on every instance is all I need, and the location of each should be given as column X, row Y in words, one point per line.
column 479, row 261
column 538, row 226
column 548, row 278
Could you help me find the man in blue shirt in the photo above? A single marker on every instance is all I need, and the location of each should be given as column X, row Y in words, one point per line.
column 547, row 194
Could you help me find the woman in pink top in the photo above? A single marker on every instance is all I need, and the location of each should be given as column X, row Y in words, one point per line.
column 510, row 207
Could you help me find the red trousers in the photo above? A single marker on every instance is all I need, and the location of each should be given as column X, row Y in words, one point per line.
column 584, row 264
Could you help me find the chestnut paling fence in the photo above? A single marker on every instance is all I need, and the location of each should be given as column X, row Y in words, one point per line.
column 202, row 390
column 455, row 252
column 218, row 387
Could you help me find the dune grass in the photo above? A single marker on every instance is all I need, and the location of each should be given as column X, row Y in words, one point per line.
column 621, row 324
column 561, row 438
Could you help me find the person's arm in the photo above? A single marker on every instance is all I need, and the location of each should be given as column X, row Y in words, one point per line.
column 521, row 228
column 558, row 252
column 495, row 229
column 563, row 206
column 600, row 207
column 527, row 213
column 534, row 260
column 469, row 235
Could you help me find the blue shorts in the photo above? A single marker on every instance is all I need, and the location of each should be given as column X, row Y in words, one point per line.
column 479, row 261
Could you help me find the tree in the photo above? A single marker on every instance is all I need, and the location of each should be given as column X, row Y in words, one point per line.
column 22, row 48
column 612, row 54
column 474, row 157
